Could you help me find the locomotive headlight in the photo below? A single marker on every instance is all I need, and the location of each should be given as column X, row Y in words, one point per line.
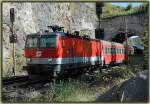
column 49, row 60
column 28, row 59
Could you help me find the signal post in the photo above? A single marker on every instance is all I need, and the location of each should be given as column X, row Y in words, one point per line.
column 13, row 37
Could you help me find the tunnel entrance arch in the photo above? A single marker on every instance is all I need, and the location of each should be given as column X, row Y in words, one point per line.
column 120, row 36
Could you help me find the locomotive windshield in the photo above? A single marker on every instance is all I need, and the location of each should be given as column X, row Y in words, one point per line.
column 32, row 42
column 45, row 41
column 48, row 41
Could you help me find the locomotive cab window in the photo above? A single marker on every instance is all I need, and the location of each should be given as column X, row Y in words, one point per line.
column 31, row 42
column 48, row 41
column 45, row 41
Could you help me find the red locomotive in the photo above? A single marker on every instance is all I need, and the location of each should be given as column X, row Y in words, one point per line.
column 57, row 53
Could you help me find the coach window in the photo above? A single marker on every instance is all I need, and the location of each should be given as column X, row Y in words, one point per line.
column 112, row 50
column 117, row 51
column 107, row 50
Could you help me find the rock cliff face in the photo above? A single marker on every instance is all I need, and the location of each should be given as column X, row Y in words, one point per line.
column 35, row 17
column 31, row 17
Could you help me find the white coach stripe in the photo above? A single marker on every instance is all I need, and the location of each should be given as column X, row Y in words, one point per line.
column 63, row 60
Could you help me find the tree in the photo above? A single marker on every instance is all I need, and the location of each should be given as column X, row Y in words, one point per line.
column 145, row 41
column 128, row 7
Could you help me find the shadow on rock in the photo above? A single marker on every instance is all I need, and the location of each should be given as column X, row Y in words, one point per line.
column 132, row 90
column 110, row 96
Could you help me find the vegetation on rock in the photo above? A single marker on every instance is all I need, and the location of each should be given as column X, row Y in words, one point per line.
column 110, row 10
column 145, row 42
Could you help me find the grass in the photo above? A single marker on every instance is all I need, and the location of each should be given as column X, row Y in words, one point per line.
column 73, row 91
column 84, row 91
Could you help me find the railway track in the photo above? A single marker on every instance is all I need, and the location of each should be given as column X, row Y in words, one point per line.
column 21, row 81
column 14, row 79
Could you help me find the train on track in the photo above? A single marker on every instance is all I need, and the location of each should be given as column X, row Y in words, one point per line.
column 57, row 53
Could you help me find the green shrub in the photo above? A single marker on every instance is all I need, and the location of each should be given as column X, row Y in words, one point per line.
column 145, row 42
column 124, row 71
column 73, row 91
column 8, row 65
column 110, row 10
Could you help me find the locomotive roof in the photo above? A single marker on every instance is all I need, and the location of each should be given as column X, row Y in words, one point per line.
column 73, row 36
column 49, row 33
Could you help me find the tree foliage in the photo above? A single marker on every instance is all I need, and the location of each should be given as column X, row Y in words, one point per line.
column 110, row 10
column 128, row 7
column 145, row 42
